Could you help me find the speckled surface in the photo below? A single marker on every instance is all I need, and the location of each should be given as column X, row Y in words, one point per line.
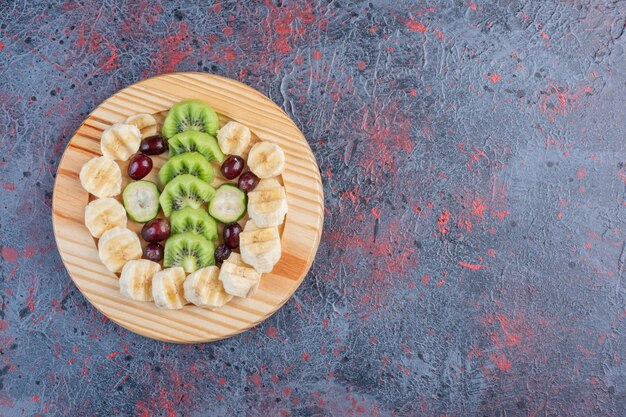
column 474, row 165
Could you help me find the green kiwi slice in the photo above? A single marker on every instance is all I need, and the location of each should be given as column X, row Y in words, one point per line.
column 192, row 163
column 188, row 250
column 191, row 141
column 196, row 221
column 141, row 201
column 190, row 115
column 185, row 191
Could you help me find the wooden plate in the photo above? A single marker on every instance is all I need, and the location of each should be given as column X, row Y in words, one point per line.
column 299, row 237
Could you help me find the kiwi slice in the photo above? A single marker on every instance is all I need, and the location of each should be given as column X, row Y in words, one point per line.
column 191, row 141
column 190, row 115
column 141, row 201
column 196, row 221
column 188, row 250
column 185, row 191
column 192, row 163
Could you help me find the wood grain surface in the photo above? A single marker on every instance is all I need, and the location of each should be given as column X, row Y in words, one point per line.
column 300, row 234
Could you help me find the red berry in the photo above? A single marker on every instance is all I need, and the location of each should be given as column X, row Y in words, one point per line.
column 139, row 166
column 222, row 252
column 153, row 145
column 248, row 181
column 153, row 252
column 232, row 166
column 231, row 235
column 156, row 230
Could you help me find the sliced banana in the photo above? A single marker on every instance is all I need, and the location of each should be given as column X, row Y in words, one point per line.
column 120, row 141
column 267, row 203
column 233, row 138
column 167, row 288
column 204, row 289
column 136, row 279
column 238, row 278
column 260, row 247
column 118, row 246
column 146, row 123
column 266, row 160
column 102, row 177
column 104, row 214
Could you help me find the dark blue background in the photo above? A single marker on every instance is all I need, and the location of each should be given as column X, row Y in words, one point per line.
column 474, row 165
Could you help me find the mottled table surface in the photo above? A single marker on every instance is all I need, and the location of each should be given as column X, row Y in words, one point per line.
column 474, row 166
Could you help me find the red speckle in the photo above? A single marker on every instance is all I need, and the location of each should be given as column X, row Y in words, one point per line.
column 272, row 331
column 221, row 381
column 594, row 381
column 170, row 54
column 373, row 340
column 30, row 300
column 442, row 222
column 426, row 279
column 376, row 213
column 287, row 391
column 229, row 54
column 227, row 31
column 317, row 54
column 256, row 380
column 406, row 349
column 325, row 323
column 1, row 46
column 472, row 6
column 580, row 173
column 306, row 356
column 473, row 267
column 35, row 398
column 601, row 338
column 439, row 34
column 360, row 65
column 416, row 26
column 501, row 361
column 491, row 252
column 9, row 254
column 4, row 325
column 413, row 92
column 29, row 252
column 113, row 354
column 494, row 78
column 588, row 245
column 478, row 206
column 8, row 186
column 559, row 215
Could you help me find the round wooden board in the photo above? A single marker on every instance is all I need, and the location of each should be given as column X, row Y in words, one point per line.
column 299, row 237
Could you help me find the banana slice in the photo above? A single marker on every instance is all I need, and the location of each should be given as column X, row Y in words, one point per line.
column 266, row 160
column 260, row 247
column 136, row 279
column 120, row 141
column 167, row 288
column 146, row 123
column 104, row 214
column 267, row 203
column 233, row 138
column 101, row 177
column 204, row 289
column 238, row 278
column 118, row 246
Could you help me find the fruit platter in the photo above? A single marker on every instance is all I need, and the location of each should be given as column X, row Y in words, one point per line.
column 188, row 209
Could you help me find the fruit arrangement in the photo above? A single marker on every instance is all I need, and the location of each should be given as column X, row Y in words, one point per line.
column 206, row 237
